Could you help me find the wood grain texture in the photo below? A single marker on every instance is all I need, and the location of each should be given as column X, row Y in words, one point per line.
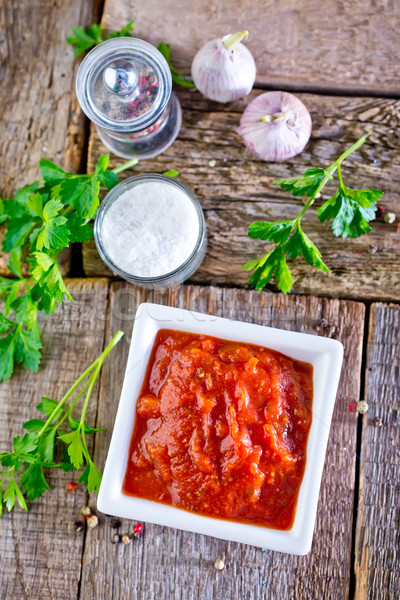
column 239, row 190
column 378, row 532
column 172, row 565
column 346, row 45
column 39, row 113
column 40, row 551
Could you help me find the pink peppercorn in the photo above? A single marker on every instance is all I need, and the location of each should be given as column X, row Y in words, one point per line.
column 70, row 487
column 138, row 528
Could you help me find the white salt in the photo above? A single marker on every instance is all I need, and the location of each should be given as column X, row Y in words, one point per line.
column 151, row 229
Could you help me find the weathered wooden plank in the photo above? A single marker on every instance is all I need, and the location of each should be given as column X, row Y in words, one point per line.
column 169, row 564
column 40, row 551
column 238, row 191
column 345, row 46
column 378, row 535
column 39, row 112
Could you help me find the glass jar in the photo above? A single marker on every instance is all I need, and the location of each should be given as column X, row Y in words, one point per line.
column 151, row 222
column 124, row 86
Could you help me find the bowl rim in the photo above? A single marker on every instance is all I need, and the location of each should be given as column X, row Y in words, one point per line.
column 326, row 354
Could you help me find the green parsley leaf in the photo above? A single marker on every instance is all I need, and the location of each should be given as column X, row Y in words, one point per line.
column 22, row 346
column 300, row 244
column 5, row 324
column 12, row 491
column 3, row 217
column 84, row 39
column 274, row 263
column 171, row 173
column 46, row 445
column 33, row 425
column 22, row 220
column 91, row 477
column 53, row 233
column 48, row 406
column 79, row 230
column 306, row 184
column 177, row 77
column 75, row 447
column 50, row 171
column 124, row 32
column 24, row 451
column 50, row 287
column 10, row 287
column 34, row 482
column 14, row 263
column 351, row 210
column 274, row 231
column 82, row 191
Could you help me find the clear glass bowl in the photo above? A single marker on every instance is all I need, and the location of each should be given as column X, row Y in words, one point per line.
column 178, row 275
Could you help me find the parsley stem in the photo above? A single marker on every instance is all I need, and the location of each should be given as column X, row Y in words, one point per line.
column 7, row 473
column 69, row 408
column 67, row 395
column 339, row 173
column 329, row 173
column 125, row 165
column 97, row 364
column 92, row 381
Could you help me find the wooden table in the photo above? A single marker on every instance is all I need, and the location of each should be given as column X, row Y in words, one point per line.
column 341, row 59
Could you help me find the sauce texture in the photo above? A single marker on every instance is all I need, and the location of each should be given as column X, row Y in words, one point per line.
column 221, row 429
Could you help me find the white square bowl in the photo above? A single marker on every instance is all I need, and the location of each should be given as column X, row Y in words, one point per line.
column 324, row 354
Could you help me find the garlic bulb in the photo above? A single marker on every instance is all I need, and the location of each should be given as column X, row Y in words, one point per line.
column 224, row 70
column 275, row 126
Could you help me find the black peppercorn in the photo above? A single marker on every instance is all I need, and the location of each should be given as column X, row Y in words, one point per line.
column 79, row 525
column 115, row 523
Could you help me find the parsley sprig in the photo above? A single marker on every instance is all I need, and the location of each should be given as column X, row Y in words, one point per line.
column 43, row 218
column 85, row 39
column 22, row 475
column 349, row 210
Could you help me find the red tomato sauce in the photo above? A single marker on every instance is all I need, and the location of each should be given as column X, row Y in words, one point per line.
column 221, row 429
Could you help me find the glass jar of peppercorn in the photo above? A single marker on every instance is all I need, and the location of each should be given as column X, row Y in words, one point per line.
column 124, row 86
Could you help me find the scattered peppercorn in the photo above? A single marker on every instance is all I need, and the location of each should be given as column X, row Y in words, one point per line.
column 116, row 538
column 378, row 422
column 389, row 217
column 219, row 564
column 79, row 525
column 86, row 511
column 138, row 528
column 212, row 163
column 362, row 407
column 126, row 539
column 70, row 487
column 92, row 521
column 379, row 211
column 115, row 523
column 374, row 249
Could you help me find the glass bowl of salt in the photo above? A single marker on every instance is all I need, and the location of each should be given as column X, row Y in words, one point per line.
column 150, row 230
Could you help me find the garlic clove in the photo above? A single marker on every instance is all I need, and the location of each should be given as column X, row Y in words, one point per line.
column 275, row 126
column 224, row 70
